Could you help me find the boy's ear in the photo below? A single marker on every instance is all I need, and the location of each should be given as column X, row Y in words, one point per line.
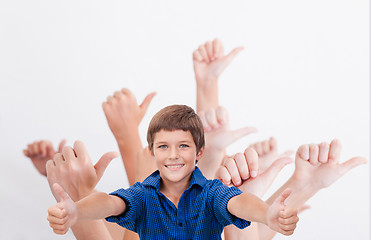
column 200, row 153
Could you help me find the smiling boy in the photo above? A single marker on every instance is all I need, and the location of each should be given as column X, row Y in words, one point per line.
column 176, row 201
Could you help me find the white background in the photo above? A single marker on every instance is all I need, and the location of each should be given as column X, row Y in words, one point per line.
column 303, row 78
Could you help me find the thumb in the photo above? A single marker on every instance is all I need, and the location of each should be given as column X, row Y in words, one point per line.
column 103, row 162
column 232, row 54
column 60, row 192
column 147, row 100
column 61, row 145
column 303, row 208
column 274, row 169
column 239, row 133
column 285, row 194
column 287, row 154
column 352, row 163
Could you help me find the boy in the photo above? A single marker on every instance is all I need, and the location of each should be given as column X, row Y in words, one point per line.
column 175, row 202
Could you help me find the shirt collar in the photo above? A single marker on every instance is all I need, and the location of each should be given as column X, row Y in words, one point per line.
column 154, row 179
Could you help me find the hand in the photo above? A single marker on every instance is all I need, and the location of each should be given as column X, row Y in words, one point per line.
column 217, row 133
column 280, row 218
column 242, row 171
column 209, row 61
column 63, row 215
column 317, row 165
column 267, row 152
column 217, row 138
column 40, row 152
column 122, row 111
column 74, row 171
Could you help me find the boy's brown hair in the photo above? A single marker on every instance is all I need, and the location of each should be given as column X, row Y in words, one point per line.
column 177, row 117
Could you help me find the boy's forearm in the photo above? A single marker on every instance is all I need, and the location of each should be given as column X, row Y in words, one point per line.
column 91, row 229
column 231, row 232
column 98, row 206
column 249, row 207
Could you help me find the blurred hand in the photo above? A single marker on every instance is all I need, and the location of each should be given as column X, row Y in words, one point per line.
column 242, row 171
column 267, row 152
column 209, row 60
column 217, row 133
column 74, row 171
column 123, row 112
column 317, row 165
column 40, row 152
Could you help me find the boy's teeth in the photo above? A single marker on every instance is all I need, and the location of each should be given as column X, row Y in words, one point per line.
column 175, row 166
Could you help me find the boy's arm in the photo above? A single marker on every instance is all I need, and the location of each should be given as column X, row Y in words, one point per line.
column 277, row 216
column 124, row 116
column 95, row 206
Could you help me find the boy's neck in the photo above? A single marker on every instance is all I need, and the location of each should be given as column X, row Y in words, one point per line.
column 173, row 191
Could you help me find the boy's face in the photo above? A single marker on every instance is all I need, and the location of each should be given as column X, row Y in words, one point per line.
column 175, row 154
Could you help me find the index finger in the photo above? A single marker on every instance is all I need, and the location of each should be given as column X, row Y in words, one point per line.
column 81, row 151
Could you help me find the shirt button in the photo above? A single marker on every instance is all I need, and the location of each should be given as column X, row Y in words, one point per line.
column 180, row 224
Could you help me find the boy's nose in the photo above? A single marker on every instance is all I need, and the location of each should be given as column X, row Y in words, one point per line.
column 174, row 154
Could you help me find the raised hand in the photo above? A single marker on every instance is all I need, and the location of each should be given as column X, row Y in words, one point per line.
column 209, row 62
column 281, row 218
column 74, row 171
column 217, row 138
column 317, row 165
column 217, row 132
column 124, row 116
column 122, row 111
column 242, row 171
column 63, row 215
column 40, row 152
column 268, row 152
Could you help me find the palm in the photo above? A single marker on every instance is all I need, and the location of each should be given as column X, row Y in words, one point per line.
column 320, row 175
column 213, row 69
column 219, row 139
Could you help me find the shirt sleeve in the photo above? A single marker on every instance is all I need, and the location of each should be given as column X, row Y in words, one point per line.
column 134, row 200
column 220, row 196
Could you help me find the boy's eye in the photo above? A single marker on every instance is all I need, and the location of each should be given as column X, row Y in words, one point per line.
column 184, row 146
column 162, row 146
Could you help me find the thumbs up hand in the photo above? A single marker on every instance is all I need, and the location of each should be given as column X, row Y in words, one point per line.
column 73, row 170
column 63, row 215
column 280, row 218
column 318, row 165
column 217, row 137
column 209, row 60
column 123, row 112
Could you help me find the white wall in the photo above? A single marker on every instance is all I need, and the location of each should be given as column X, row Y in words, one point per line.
column 303, row 78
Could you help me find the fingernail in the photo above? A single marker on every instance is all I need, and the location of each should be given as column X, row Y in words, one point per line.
column 254, row 174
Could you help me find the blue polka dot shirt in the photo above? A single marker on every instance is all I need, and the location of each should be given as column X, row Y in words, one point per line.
column 201, row 214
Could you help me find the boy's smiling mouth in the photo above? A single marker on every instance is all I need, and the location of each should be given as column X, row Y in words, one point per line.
column 174, row 167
